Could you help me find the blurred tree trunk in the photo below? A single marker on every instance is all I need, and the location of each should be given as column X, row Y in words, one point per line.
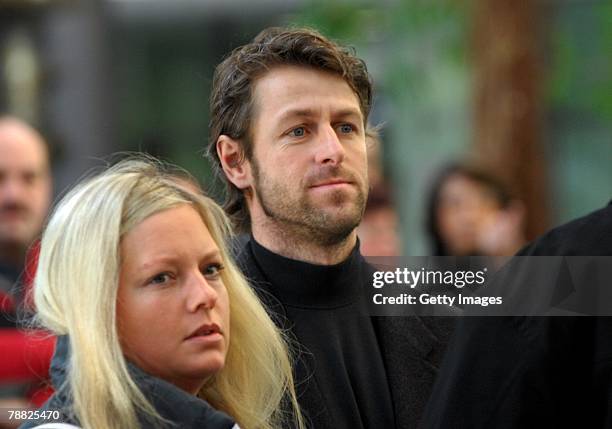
column 508, row 105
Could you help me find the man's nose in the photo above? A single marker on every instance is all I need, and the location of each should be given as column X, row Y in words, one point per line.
column 330, row 149
column 201, row 294
column 12, row 190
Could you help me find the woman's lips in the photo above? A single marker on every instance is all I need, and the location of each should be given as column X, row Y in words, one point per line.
column 206, row 330
column 212, row 338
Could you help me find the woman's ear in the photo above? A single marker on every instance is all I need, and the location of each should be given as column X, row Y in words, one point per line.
column 237, row 169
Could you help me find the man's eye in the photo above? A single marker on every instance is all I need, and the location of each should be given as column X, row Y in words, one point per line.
column 346, row 128
column 160, row 279
column 298, row 132
column 29, row 178
column 212, row 271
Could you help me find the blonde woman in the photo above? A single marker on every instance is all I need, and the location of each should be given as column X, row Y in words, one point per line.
column 157, row 326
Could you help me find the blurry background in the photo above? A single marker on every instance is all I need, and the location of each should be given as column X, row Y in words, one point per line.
column 522, row 87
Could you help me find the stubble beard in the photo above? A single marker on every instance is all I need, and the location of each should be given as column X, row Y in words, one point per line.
column 19, row 233
column 299, row 220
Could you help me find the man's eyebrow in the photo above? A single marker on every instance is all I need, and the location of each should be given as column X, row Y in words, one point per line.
column 307, row 113
column 348, row 112
column 293, row 113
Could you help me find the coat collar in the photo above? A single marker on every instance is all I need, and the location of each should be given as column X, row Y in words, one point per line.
column 173, row 404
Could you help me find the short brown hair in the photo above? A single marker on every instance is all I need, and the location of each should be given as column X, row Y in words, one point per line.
column 231, row 101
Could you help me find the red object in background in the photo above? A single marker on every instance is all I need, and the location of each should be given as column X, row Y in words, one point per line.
column 26, row 358
column 26, row 354
column 29, row 354
column 7, row 304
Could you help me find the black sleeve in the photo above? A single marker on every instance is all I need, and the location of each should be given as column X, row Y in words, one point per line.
column 517, row 372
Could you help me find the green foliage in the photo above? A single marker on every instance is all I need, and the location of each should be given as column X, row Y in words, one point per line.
column 603, row 95
column 340, row 20
column 414, row 35
column 580, row 73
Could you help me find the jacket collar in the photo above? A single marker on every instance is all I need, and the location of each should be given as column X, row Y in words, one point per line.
column 173, row 404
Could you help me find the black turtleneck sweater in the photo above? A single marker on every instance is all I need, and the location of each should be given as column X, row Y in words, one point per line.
column 340, row 371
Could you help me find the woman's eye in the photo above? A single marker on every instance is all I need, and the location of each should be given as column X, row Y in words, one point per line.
column 298, row 132
column 346, row 128
column 160, row 279
column 213, row 270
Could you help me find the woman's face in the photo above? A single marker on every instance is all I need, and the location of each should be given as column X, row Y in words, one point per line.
column 172, row 305
column 464, row 208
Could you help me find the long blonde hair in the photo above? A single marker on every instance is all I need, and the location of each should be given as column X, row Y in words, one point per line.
column 75, row 294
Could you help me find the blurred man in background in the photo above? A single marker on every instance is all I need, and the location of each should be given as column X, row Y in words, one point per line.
column 25, row 191
column 25, row 194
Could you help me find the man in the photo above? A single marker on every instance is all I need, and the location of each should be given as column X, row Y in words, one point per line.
column 288, row 124
column 25, row 190
column 25, row 194
column 535, row 372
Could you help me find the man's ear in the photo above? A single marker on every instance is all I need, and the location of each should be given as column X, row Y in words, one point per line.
column 236, row 168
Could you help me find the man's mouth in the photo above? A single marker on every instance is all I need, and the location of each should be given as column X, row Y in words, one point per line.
column 331, row 183
column 13, row 213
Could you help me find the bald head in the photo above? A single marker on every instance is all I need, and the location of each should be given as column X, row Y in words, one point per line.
column 25, row 186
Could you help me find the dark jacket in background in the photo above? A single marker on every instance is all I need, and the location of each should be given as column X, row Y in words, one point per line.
column 532, row 372
column 184, row 410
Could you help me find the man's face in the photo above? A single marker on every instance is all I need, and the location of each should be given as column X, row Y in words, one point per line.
column 309, row 155
column 25, row 185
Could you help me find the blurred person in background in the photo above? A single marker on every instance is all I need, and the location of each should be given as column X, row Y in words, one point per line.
column 157, row 327
column 537, row 372
column 25, row 195
column 25, row 192
column 378, row 231
column 470, row 212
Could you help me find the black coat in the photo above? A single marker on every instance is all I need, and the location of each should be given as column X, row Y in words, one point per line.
column 411, row 347
column 184, row 410
column 532, row 372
